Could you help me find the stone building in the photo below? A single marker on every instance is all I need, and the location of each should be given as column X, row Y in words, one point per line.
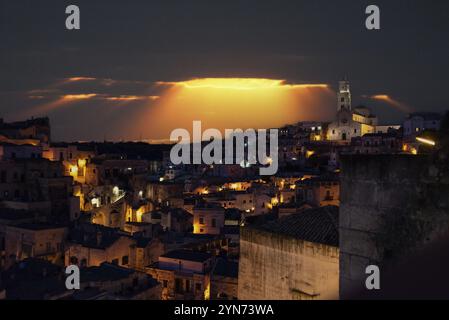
column 184, row 274
column 111, row 171
column 391, row 207
column 208, row 218
column 417, row 122
column 34, row 240
column 318, row 191
column 23, row 151
column 161, row 191
column 378, row 143
column 350, row 122
column 176, row 219
column 37, row 279
column 111, row 282
column 293, row 258
column 91, row 245
column 32, row 129
column 38, row 184
column 74, row 157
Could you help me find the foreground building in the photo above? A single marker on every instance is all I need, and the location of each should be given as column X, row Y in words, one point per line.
column 184, row 275
column 392, row 208
column 293, row 258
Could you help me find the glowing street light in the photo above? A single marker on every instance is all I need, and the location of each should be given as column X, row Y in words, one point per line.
column 426, row 141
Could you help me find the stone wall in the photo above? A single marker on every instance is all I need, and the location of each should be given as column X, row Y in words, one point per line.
column 390, row 206
column 277, row 267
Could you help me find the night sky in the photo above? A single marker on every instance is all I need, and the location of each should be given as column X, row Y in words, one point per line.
column 125, row 48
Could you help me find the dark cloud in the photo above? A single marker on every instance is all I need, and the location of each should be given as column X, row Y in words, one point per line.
column 128, row 46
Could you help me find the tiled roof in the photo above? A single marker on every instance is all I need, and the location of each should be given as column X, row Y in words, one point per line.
column 319, row 225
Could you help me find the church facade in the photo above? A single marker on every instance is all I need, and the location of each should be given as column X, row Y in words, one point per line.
column 350, row 122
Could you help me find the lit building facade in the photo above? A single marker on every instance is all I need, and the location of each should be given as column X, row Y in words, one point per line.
column 184, row 275
column 208, row 218
column 350, row 122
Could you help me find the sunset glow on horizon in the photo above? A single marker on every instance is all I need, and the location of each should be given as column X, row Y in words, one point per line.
column 243, row 103
column 221, row 103
column 239, row 84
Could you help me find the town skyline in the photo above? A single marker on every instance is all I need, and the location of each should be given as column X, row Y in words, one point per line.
column 324, row 107
column 228, row 154
column 114, row 73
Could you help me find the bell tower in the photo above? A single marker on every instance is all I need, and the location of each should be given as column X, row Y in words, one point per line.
column 344, row 95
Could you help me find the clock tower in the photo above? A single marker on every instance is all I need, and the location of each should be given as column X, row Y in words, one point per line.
column 343, row 95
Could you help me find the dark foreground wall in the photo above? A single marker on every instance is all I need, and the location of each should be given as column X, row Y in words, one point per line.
column 391, row 206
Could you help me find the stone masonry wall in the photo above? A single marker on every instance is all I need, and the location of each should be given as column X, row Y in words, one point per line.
column 390, row 206
column 274, row 266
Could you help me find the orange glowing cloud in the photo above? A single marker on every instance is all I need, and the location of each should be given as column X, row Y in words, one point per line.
column 78, row 96
column 230, row 103
column 61, row 101
column 132, row 98
column 75, row 79
column 392, row 102
column 239, row 84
